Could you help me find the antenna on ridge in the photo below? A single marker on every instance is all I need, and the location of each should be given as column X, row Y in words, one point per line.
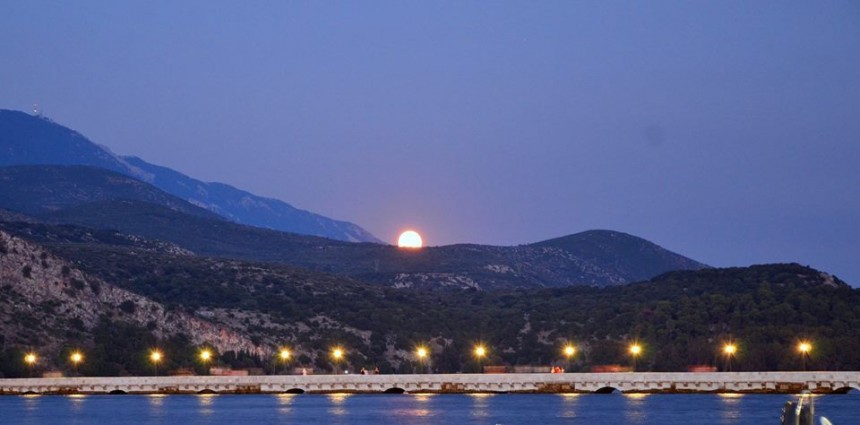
column 36, row 111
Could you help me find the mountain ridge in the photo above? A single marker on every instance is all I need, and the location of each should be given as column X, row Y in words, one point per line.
column 33, row 140
column 547, row 263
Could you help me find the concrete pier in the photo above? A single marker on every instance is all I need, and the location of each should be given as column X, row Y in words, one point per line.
column 680, row 382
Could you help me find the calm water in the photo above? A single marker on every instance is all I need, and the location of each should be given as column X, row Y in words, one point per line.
column 415, row 409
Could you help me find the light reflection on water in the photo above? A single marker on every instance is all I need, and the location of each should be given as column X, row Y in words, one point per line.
column 635, row 413
column 480, row 404
column 337, row 401
column 730, row 411
column 569, row 404
column 284, row 403
column 419, row 409
column 206, row 402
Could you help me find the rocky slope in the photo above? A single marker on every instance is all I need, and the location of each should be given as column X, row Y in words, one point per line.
column 45, row 299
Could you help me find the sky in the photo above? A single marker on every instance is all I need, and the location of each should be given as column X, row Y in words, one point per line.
column 727, row 131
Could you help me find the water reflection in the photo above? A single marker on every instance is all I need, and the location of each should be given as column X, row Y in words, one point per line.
column 480, row 404
column 569, row 404
column 77, row 401
column 635, row 412
column 206, row 402
column 285, row 402
column 31, row 401
column 730, row 411
column 337, row 401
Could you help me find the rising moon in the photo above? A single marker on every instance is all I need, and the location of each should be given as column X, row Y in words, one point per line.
column 410, row 239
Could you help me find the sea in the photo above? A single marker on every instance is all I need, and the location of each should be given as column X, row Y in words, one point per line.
column 542, row 409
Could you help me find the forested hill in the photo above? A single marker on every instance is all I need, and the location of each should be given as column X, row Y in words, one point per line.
column 680, row 318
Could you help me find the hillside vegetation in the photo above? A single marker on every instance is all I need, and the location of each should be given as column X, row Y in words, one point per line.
column 680, row 318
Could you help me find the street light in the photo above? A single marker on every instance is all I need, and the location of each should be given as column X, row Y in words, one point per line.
column 480, row 352
column 284, row 354
column 336, row 355
column 729, row 350
column 30, row 359
column 569, row 352
column 635, row 351
column 155, row 356
column 804, row 348
column 421, row 353
column 76, row 358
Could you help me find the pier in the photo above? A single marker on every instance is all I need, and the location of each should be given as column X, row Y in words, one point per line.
column 636, row 382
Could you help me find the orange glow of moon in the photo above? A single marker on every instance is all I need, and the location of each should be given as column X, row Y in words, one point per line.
column 410, row 239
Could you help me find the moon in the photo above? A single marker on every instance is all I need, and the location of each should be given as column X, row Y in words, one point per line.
column 410, row 239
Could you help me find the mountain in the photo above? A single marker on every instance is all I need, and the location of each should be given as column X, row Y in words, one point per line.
column 32, row 140
column 56, row 188
column 49, row 304
column 101, row 199
column 246, row 208
column 680, row 318
column 629, row 257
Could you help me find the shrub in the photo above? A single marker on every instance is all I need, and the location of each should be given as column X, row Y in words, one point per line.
column 127, row 306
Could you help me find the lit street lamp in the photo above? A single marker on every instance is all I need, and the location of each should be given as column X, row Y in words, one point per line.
column 336, row 356
column 729, row 350
column 422, row 354
column 205, row 356
column 30, row 359
column 76, row 358
column 155, row 356
column 480, row 352
column 284, row 355
column 569, row 352
column 635, row 351
column 804, row 348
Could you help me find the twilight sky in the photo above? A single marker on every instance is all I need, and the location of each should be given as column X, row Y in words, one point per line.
column 725, row 131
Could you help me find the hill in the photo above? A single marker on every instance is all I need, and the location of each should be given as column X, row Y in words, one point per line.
column 31, row 140
column 50, row 305
column 680, row 318
column 100, row 199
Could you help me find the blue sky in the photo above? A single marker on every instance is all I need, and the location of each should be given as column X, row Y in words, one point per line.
column 726, row 131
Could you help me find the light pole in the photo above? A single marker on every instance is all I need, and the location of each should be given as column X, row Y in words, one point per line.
column 804, row 348
column 729, row 350
column 336, row 356
column 480, row 352
column 76, row 358
column 284, row 354
column 155, row 356
column 635, row 351
column 30, row 359
column 569, row 352
column 422, row 354
column 205, row 356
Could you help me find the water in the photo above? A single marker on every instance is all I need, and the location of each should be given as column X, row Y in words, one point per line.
column 663, row 409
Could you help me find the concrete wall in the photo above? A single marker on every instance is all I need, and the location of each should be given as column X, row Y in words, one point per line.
column 749, row 382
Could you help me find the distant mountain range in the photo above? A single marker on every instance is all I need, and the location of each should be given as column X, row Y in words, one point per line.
column 101, row 199
column 31, row 140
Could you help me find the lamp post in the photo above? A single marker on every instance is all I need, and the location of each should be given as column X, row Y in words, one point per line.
column 336, row 355
column 569, row 352
column 284, row 355
column 76, row 357
column 205, row 356
column 422, row 354
column 729, row 351
column 155, row 357
column 804, row 348
column 635, row 351
column 480, row 352
column 30, row 359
